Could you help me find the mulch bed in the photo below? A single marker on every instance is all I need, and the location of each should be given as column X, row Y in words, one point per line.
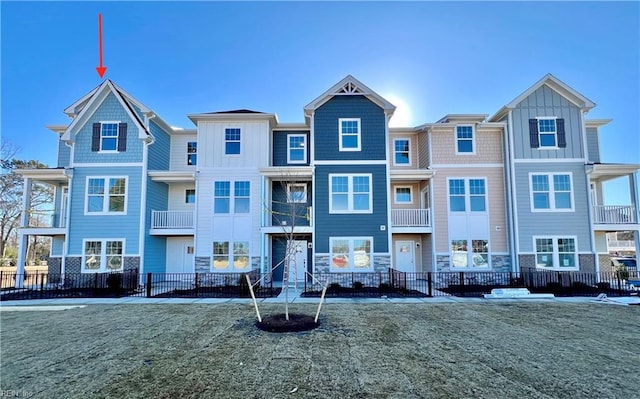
column 365, row 292
column 67, row 293
column 296, row 323
column 220, row 292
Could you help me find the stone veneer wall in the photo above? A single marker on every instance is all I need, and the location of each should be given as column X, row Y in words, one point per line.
column 501, row 263
column 321, row 264
column 381, row 263
column 442, row 263
column 203, row 264
column 587, row 263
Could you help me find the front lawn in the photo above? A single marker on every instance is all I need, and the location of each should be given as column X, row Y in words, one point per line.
column 430, row 350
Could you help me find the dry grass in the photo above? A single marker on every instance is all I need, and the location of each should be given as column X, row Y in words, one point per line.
column 462, row 350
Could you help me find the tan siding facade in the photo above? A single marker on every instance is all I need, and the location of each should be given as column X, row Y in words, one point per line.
column 488, row 146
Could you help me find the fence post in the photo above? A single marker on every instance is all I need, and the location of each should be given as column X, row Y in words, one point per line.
column 461, row 283
column 149, row 280
column 197, row 288
column 42, row 282
column 429, row 285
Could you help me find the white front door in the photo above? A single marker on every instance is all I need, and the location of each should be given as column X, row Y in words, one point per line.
column 298, row 263
column 405, row 256
column 179, row 255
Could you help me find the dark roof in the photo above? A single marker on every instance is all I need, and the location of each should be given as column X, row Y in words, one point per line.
column 236, row 111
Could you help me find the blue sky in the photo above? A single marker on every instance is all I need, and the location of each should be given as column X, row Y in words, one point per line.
column 429, row 58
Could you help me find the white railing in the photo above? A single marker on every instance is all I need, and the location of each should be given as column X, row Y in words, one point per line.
column 410, row 218
column 171, row 219
column 614, row 214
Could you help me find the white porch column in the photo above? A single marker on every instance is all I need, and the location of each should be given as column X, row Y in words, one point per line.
column 23, row 239
column 633, row 191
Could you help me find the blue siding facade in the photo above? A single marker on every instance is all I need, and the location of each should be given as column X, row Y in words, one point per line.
column 155, row 247
column 109, row 110
column 64, row 154
column 159, row 150
column 280, row 142
column 372, row 129
column 283, row 211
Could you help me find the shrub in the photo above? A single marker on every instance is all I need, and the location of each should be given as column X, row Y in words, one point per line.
column 384, row 287
column 621, row 272
column 114, row 281
column 334, row 286
column 357, row 285
column 579, row 284
column 603, row 285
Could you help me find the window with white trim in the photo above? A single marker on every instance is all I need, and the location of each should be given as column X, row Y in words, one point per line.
column 242, row 196
column 547, row 132
column 349, row 134
column 222, row 197
column 296, row 148
column 350, row 193
column 109, row 136
column 351, row 253
column 461, row 257
column 551, row 192
column 403, row 195
column 556, row 253
column 106, row 195
column 192, row 153
column 103, row 256
column 190, row 196
column 296, row 193
column 402, row 152
column 232, row 141
column 464, row 139
column 238, row 258
column 467, row 195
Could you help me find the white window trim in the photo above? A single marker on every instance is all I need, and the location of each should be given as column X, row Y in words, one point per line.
column 103, row 255
column 467, row 196
column 352, row 267
column 232, row 198
column 350, row 193
column 304, row 148
column 192, row 153
column 470, row 253
column 395, row 195
column 394, row 151
column 556, row 254
column 552, row 197
column 340, row 134
column 105, row 204
column 231, row 256
column 289, row 186
column 225, row 141
column 540, row 146
column 117, row 123
column 473, row 140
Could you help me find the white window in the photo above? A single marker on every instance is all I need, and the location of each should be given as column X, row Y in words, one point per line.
column 222, row 197
column 547, row 133
column 190, row 196
column 465, row 144
column 232, row 141
column 468, row 195
column 109, row 136
column 461, row 257
column 351, row 254
column 551, row 192
column 296, row 148
column 403, row 195
column 192, row 153
column 401, row 152
column 103, row 255
column 106, row 195
column 557, row 253
column 350, row 193
column 238, row 259
column 296, row 193
column 349, row 129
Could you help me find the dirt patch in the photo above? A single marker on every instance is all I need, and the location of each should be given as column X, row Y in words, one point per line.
column 279, row 324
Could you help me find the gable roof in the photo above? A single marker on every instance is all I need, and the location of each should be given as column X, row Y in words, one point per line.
column 349, row 86
column 554, row 84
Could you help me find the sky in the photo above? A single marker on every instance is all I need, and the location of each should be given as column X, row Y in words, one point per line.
column 428, row 58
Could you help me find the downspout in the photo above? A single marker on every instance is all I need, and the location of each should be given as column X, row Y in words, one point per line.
column 65, row 248
column 592, row 233
column 312, row 155
column 515, row 236
column 387, row 117
column 143, row 195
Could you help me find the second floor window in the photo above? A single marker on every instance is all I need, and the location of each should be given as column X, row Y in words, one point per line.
column 464, row 139
column 401, row 152
column 350, row 194
column 232, row 141
column 296, row 151
column 222, row 197
column 106, row 195
column 190, row 197
column 467, row 194
column 192, row 153
column 349, row 132
column 551, row 192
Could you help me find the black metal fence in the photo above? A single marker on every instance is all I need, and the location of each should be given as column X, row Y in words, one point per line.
column 391, row 283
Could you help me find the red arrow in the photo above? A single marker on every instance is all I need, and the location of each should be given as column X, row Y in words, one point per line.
column 101, row 69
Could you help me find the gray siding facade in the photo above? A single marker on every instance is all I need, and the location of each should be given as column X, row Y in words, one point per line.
column 593, row 145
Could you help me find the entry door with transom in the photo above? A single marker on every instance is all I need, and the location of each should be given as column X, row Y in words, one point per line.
column 405, row 256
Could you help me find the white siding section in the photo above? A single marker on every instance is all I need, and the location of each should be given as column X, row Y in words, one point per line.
column 178, row 156
column 254, row 145
column 177, row 195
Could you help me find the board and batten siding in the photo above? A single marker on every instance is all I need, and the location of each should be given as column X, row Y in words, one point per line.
column 545, row 102
column 488, row 146
column 178, row 154
column 254, row 145
column 109, row 110
column 496, row 205
column 593, row 145
column 552, row 223
column 158, row 150
column 110, row 226
column 280, row 146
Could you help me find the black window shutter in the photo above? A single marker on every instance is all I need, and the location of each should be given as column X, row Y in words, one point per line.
column 95, row 138
column 562, row 137
column 533, row 133
column 122, row 137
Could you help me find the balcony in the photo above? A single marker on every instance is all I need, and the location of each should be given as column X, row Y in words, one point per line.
column 172, row 222
column 45, row 223
column 614, row 214
column 410, row 218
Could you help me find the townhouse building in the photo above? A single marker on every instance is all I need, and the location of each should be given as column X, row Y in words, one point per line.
column 520, row 189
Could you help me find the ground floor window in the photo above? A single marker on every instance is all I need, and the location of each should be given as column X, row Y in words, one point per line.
column 558, row 253
column 351, row 253
column 474, row 257
column 238, row 258
column 103, row 255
